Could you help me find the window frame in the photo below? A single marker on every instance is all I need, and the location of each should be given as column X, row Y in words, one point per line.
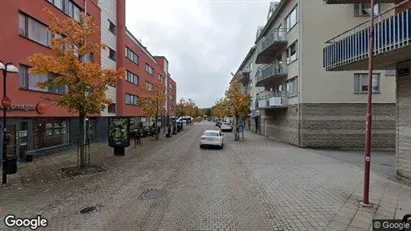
column 110, row 54
column 289, row 58
column 359, row 8
column 134, row 100
column 149, row 84
column 132, row 76
column 24, row 69
column 291, row 87
column 149, row 69
column 111, row 106
column 65, row 8
column 111, row 27
column 289, row 25
column 26, row 34
column 360, row 78
column 130, row 55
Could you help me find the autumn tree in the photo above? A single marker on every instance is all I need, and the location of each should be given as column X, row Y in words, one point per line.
column 71, row 45
column 238, row 102
column 190, row 107
column 152, row 101
column 180, row 107
column 220, row 108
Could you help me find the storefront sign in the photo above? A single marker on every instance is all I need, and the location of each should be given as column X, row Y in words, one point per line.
column 39, row 108
column 20, row 107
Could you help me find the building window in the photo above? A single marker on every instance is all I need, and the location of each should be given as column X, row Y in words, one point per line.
column 68, row 7
column 292, row 87
column 34, row 30
column 131, row 99
column 29, row 81
column 112, row 54
column 292, row 52
column 88, row 58
column 171, row 108
column 171, row 97
column 364, row 9
column 149, row 86
column 361, row 83
column 161, row 78
column 50, row 132
column 111, row 108
column 132, row 78
column 291, row 19
column 132, row 56
column 170, row 86
column 149, row 69
column 111, row 27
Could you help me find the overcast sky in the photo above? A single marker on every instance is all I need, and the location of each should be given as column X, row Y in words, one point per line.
column 202, row 40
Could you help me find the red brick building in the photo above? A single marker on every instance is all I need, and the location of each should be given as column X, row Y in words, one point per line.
column 35, row 124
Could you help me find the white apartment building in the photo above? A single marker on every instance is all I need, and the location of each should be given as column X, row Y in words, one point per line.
column 109, row 55
column 300, row 102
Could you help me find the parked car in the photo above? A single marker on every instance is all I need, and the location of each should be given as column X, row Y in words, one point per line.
column 218, row 123
column 226, row 127
column 212, row 138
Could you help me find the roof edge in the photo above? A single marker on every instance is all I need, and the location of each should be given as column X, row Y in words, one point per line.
column 276, row 12
column 134, row 39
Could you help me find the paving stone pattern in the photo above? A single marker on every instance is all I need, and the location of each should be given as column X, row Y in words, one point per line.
column 253, row 184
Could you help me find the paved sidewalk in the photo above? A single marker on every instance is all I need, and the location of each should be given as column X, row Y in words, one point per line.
column 43, row 171
column 390, row 199
column 252, row 184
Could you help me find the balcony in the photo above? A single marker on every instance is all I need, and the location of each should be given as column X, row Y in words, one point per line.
column 356, row 1
column 270, row 46
column 271, row 73
column 391, row 45
column 269, row 100
column 245, row 78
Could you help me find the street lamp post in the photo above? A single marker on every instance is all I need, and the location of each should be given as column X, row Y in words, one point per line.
column 367, row 152
column 6, row 68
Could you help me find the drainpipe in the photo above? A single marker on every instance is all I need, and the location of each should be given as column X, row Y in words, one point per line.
column 299, row 75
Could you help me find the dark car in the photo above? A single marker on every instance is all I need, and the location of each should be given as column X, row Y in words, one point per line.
column 218, row 123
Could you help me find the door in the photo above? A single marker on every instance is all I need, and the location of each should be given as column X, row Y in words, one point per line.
column 12, row 140
column 22, row 138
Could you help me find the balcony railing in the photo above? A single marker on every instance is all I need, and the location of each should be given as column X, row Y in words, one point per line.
column 272, row 100
column 245, row 78
column 350, row 53
column 356, row 1
column 270, row 45
column 270, row 73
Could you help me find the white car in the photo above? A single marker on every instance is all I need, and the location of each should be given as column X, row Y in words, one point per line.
column 226, row 127
column 212, row 138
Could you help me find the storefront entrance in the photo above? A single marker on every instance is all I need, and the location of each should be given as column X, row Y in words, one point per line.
column 11, row 136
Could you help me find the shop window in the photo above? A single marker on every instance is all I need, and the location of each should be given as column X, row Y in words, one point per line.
column 50, row 132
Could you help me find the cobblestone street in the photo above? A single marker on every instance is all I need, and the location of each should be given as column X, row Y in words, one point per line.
column 253, row 184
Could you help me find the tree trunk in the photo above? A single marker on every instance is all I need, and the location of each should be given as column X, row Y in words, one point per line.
column 81, row 158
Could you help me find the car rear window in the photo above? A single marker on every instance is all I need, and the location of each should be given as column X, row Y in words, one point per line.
column 210, row 134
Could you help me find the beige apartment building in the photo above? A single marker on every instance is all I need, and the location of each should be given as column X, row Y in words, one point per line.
column 348, row 51
column 295, row 100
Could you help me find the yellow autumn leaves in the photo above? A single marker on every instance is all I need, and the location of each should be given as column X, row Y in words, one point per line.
column 86, row 82
column 234, row 103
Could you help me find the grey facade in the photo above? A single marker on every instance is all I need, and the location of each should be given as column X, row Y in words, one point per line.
column 301, row 103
